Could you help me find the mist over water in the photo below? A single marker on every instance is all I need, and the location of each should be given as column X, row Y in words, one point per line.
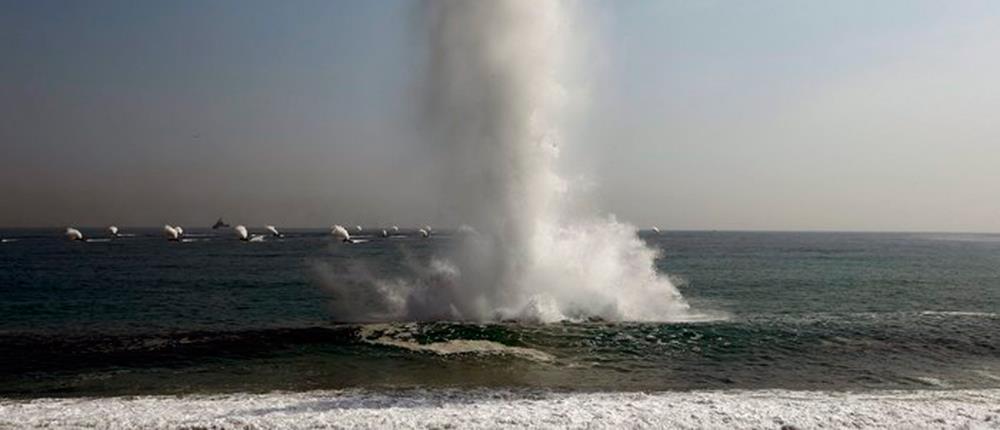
column 494, row 104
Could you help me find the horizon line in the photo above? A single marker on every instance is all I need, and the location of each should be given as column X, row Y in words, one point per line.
column 646, row 229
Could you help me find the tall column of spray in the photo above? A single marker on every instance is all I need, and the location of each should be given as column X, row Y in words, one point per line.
column 493, row 104
column 493, row 101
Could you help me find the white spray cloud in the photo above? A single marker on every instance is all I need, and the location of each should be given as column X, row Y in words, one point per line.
column 171, row 233
column 493, row 109
column 241, row 232
column 274, row 231
column 340, row 232
column 73, row 234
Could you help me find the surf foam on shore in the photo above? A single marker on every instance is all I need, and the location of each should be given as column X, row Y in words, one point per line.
column 364, row 409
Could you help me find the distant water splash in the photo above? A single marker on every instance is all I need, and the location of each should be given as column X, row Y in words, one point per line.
column 493, row 107
column 274, row 231
column 74, row 234
column 171, row 232
column 241, row 232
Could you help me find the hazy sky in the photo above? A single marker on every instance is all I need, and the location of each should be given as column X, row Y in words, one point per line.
column 789, row 115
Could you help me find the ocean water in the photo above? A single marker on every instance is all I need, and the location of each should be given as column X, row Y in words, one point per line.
column 823, row 312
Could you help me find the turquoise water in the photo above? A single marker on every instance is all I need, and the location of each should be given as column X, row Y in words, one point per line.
column 829, row 311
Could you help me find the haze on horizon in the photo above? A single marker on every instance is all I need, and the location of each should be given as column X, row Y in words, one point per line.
column 771, row 115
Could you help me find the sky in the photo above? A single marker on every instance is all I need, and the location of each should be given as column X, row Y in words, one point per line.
column 764, row 115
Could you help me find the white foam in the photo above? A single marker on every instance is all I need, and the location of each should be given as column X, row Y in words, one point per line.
column 960, row 314
column 412, row 409
column 479, row 347
column 402, row 337
column 932, row 381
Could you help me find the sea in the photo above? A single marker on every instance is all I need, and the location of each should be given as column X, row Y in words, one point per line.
column 214, row 331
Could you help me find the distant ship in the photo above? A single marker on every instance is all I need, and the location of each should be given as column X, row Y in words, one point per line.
column 220, row 224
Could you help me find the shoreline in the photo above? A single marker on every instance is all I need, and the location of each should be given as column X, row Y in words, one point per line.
column 503, row 408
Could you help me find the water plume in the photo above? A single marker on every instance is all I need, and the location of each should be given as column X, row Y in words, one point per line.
column 73, row 234
column 172, row 233
column 274, row 231
column 113, row 230
column 339, row 232
column 494, row 107
column 242, row 233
